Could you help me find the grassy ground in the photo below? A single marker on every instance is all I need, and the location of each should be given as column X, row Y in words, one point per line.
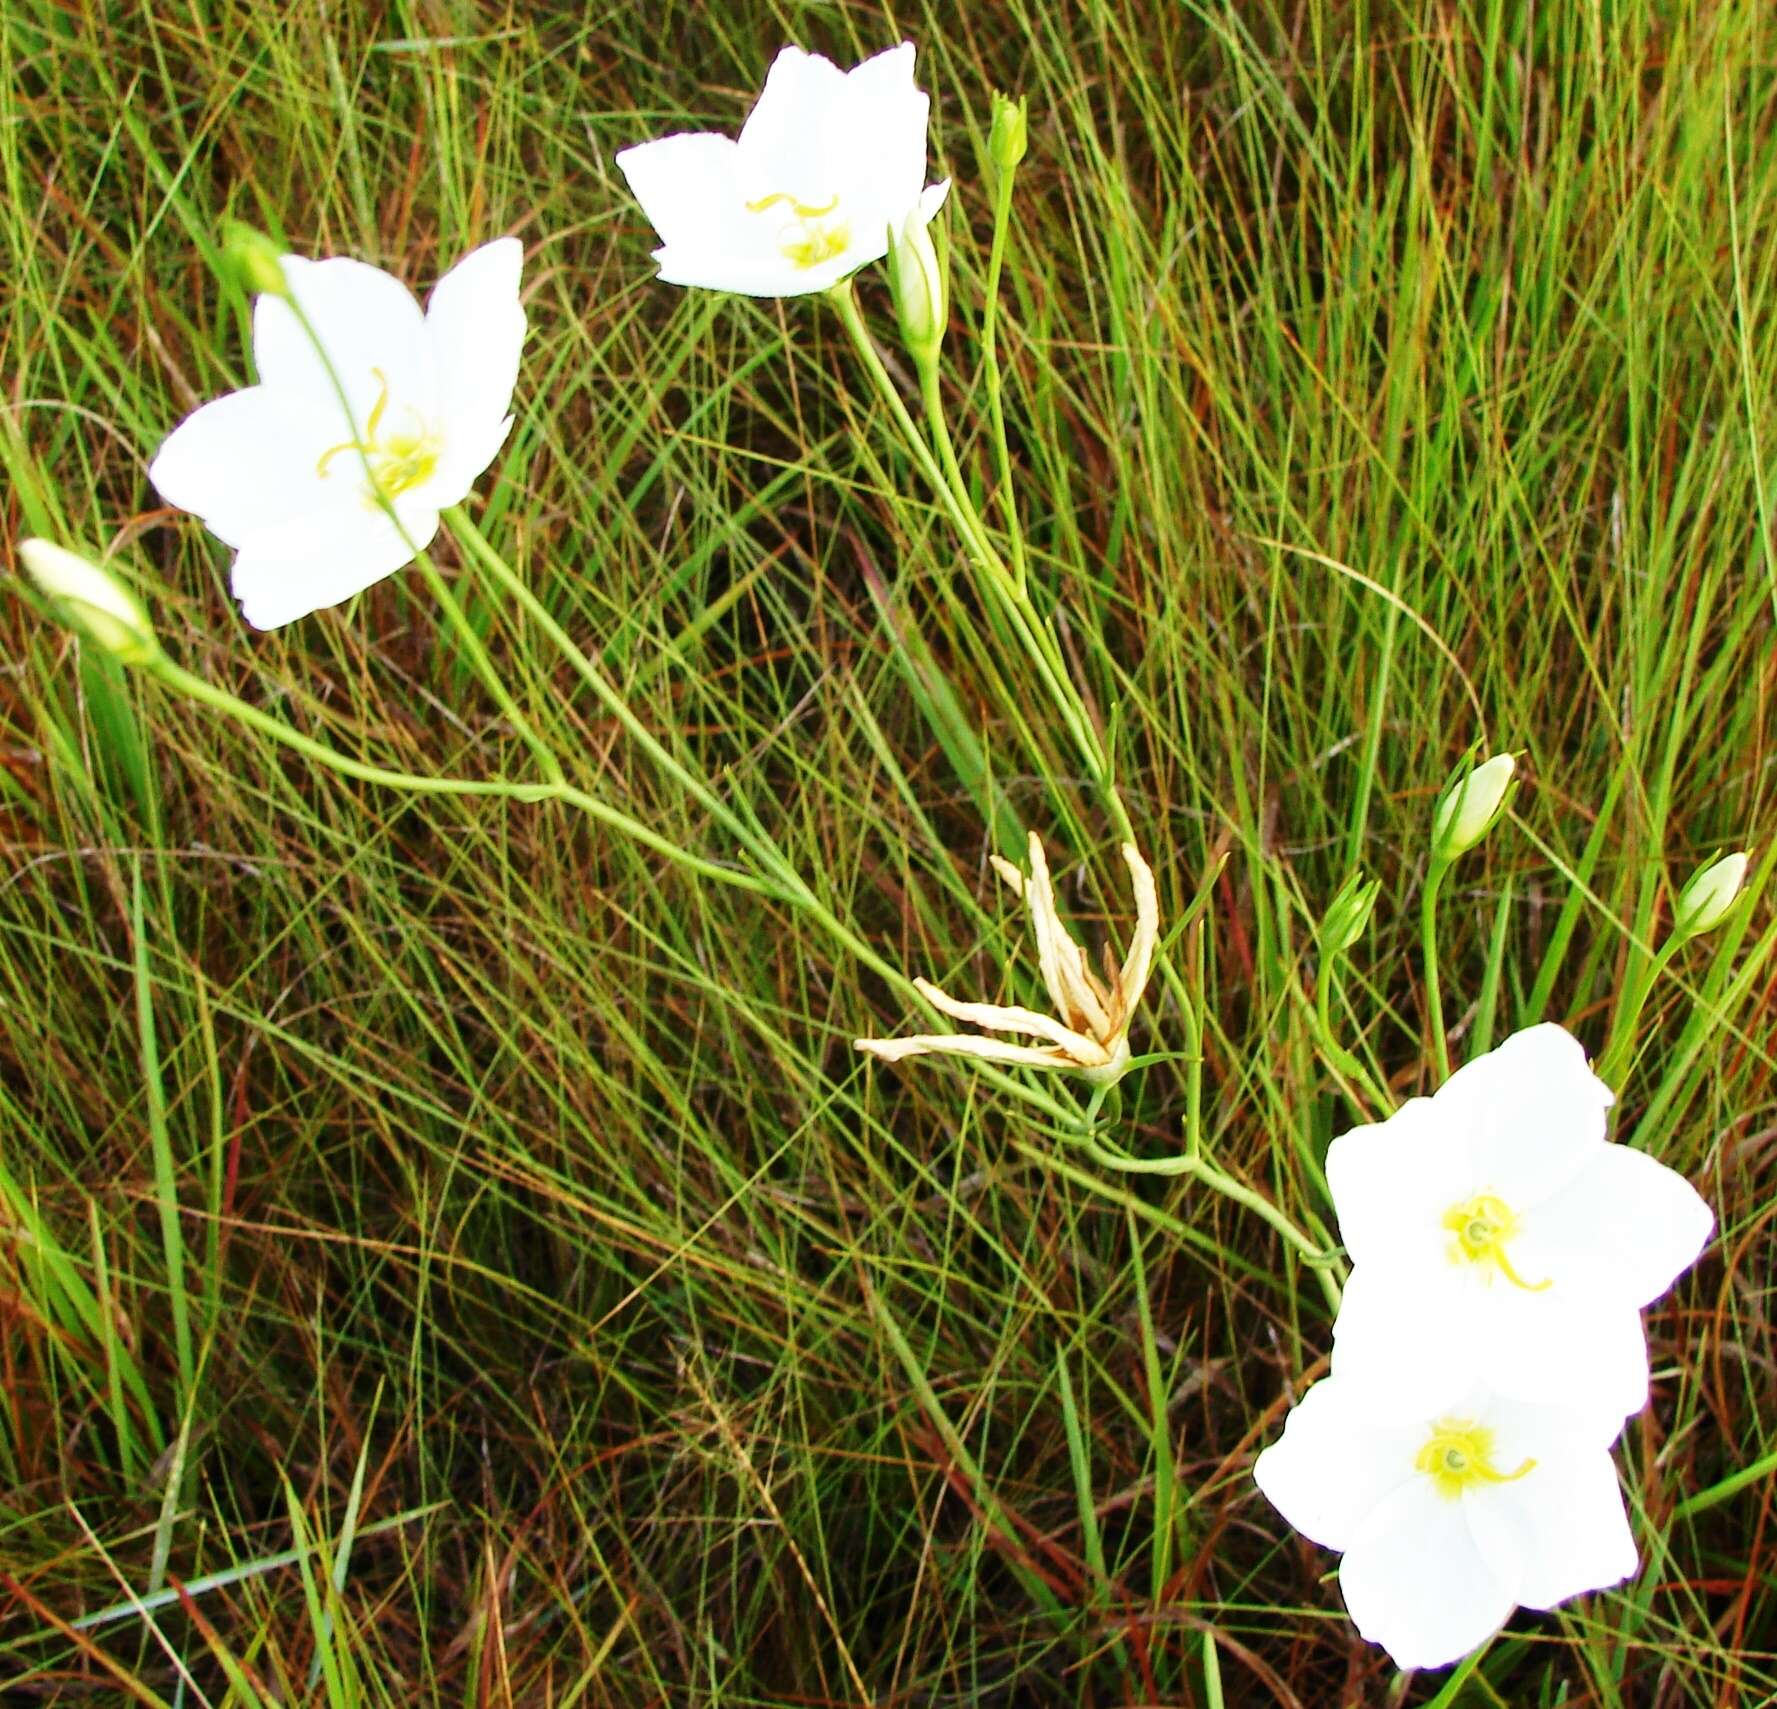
column 465, row 1253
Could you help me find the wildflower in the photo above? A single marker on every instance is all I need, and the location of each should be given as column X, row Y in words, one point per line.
column 1466, row 812
column 1495, row 1231
column 300, row 473
column 826, row 163
column 1091, row 1035
column 1709, row 897
column 1452, row 1514
column 92, row 599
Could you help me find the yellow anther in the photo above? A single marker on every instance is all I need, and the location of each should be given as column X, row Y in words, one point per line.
column 802, row 210
column 398, row 463
column 817, row 244
column 1482, row 1226
column 1458, row 1453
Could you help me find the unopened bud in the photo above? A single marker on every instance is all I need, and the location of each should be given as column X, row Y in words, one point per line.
column 92, row 600
column 1467, row 810
column 917, row 282
column 1710, row 896
column 257, row 261
column 1348, row 914
column 1008, row 135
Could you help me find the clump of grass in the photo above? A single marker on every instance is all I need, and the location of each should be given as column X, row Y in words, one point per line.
column 571, row 1317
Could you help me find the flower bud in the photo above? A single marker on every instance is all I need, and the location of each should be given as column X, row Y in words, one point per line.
column 1008, row 135
column 256, row 260
column 1348, row 914
column 1710, row 896
column 917, row 282
column 1468, row 808
column 92, row 600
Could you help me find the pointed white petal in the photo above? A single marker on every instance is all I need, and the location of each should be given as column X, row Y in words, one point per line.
column 1534, row 1112
column 687, row 187
column 1334, row 1462
column 1626, row 1221
column 475, row 326
column 1394, row 1181
column 881, row 123
column 1133, row 978
column 1570, row 1340
column 275, row 589
column 371, row 329
column 1561, row 1529
column 1009, row 1018
column 247, row 461
column 785, row 145
column 964, row 1044
column 753, row 270
column 1416, row 1582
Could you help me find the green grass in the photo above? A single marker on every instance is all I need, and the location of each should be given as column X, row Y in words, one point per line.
column 463, row 1250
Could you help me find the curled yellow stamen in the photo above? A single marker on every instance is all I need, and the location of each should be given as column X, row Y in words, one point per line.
column 1482, row 1226
column 368, row 443
column 1458, row 1453
column 802, row 210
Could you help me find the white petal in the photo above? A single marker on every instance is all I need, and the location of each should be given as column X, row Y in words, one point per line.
column 1003, row 1017
column 1132, row 978
column 1534, row 1112
column 1392, row 1183
column 1558, row 1531
column 274, row 589
column 785, row 145
column 881, row 121
column 1416, row 1582
column 1570, row 1340
column 1335, row 1462
column 965, row 1044
column 757, row 270
column 371, row 329
column 248, row 461
column 1420, row 1336
column 1626, row 1221
column 687, row 187
column 475, row 325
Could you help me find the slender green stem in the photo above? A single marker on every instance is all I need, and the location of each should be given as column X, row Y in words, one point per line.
column 220, row 700
column 990, row 365
column 1428, row 941
column 1619, row 1051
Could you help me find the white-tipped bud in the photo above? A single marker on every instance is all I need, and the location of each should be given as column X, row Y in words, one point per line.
column 1710, row 897
column 1468, row 809
column 93, row 600
column 917, row 282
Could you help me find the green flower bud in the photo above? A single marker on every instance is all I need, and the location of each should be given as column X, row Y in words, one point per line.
column 92, row 600
column 1468, row 809
column 1008, row 135
column 917, row 283
column 1348, row 914
column 256, row 260
column 1710, row 897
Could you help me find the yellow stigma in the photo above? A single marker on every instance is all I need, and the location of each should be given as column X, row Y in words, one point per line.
column 398, row 463
column 809, row 239
column 1482, row 1226
column 1459, row 1453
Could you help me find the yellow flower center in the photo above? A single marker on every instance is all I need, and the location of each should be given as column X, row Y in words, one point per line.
column 398, row 462
column 1482, row 1226
column 811, row 236
column 1459, row 1453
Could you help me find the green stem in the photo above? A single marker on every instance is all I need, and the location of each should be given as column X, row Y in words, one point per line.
column 1428, row 940
column 220, row 700
column 1619, row 1051
column 990, row 365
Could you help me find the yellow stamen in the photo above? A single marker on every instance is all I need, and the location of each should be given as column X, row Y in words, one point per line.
column 817, row 244
column 1482, row 1226
column 398, row 463
column 802, row 210
column 1459, row 1453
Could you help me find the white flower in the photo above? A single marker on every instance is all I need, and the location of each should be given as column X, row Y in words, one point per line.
column 1092, row 1035
column 280, row 473
column 826, row 163
column 1452, row 1515
column 101, row 607
column 1495, row 1232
